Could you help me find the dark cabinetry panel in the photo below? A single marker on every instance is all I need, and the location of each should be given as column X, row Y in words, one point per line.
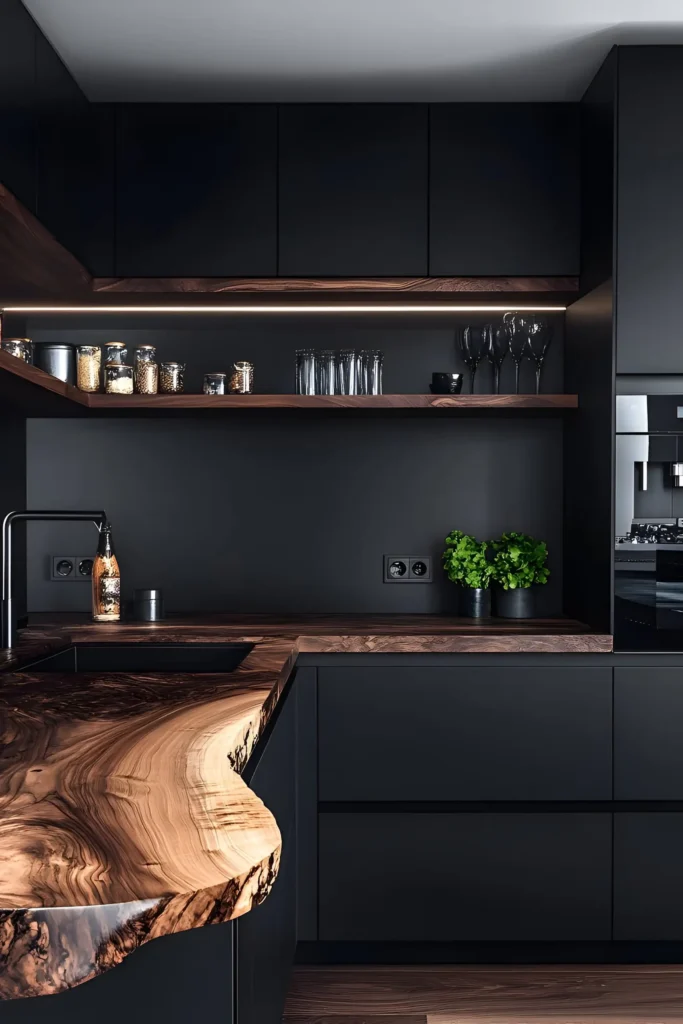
column 648, row 881
column 648, row 753
column 196, row 190
column 465, row 733
column 650, row 209
column 353, row 190
column 457, row 877
column 17, row 97
column 266, row 936
column 504, row 197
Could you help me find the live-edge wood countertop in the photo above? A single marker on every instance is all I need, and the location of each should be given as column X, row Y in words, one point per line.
column 123, row 816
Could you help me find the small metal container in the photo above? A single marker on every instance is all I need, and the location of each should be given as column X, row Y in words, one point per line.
column 118, row 379
column 148, row 605
column 172, row 378
column 88, row 367
column 57, row 360
column 214, row 383
column 146, row 370
column 242, row 378
column 115, row 352
column 20, row 348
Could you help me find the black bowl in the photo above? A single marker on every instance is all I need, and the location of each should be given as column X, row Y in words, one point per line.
column 446, row 383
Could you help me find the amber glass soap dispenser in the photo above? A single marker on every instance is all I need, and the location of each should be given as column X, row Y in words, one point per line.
column 106, row 580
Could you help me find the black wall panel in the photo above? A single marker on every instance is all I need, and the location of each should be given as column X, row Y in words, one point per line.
column 17, row 102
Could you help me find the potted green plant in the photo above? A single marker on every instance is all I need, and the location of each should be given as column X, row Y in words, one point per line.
column 518, row 565
column 466, row 564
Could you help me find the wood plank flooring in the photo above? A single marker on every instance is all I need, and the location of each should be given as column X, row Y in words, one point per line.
column 486, row 995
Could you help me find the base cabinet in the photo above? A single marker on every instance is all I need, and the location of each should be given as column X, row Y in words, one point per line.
column 465, row 876
column 648, row 881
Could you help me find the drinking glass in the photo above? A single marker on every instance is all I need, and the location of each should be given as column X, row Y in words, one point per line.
column 327, row 372
column 517, row 342
column 371, row 362
column 538, row 334
column 347, row 372
column 306, row 371
column 474, row 343
column 499, row 343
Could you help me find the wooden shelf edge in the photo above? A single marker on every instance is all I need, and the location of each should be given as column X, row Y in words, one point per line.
column 186, row 401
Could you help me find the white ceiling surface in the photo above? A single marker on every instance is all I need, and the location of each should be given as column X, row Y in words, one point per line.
column 352, row 50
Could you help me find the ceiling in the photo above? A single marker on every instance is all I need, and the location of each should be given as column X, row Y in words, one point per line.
column 355, row 50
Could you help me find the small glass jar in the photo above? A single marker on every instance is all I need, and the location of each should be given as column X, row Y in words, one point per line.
column 146, row 370
column 118, row 379
column 115, row 352
column 171, row 378
column 214, row 383
column 88, row 367
column 20, row 348
column 242, row 378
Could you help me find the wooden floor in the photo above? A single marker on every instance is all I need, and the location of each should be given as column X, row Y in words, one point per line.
column 486, row 995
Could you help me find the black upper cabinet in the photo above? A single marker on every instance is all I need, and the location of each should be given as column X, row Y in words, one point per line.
column 353, row 190
column 649, row 209
column 17, row 95
column 504, row 189
column 196, row 190
column 75, row 184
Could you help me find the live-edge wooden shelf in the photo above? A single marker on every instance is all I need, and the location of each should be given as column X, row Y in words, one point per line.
column 36, row 393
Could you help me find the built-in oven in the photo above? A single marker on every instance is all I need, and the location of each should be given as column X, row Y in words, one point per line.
column 648, row 560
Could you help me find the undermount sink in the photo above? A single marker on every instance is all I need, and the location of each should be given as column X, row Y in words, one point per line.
column 147, row 657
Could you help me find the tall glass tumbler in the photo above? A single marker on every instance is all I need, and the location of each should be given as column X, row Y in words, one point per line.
column 347, row 372
column 306, row 371
column 371, row 362
column 327, row 372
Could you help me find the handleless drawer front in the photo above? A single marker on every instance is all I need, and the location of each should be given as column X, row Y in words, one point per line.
column 458, row 877
column 648, row 882
column 465, row 734
column 648, row 752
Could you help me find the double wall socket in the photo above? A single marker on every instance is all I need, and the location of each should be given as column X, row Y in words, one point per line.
column 71, row 568
column 407, row 569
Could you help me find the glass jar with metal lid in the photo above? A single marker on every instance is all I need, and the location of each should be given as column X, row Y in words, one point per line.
column 172, row 378
column 88, row 367
column 214, row 383
column 146, row 370
column 20, row 348
column 118, row 379
column 115, row 352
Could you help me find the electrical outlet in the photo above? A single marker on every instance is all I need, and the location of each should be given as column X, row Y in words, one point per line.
column 71, row 568
column 407, row 569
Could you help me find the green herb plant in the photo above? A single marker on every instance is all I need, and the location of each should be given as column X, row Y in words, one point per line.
column 519, row 561
column 465, row 560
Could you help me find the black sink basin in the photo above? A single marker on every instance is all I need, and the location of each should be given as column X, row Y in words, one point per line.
column 146, row 657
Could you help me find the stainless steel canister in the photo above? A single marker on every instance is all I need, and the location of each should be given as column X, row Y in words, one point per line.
column 57, row 360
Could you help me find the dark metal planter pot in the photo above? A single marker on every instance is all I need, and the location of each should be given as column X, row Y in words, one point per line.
column 475, row 603
column 515, row 604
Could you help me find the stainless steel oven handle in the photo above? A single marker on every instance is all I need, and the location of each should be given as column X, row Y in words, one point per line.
column 643, row 476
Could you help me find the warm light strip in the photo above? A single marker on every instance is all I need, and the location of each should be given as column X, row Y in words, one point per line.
column 285, row 309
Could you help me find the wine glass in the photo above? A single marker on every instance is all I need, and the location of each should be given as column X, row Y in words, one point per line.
column 538, row 335
column 517, row 342
column 474, row 343
column 499, row 343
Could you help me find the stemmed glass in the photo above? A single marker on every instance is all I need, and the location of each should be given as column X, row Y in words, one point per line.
column 474, row 343
column 517, row 342
column 539, row 335
column 499, row 343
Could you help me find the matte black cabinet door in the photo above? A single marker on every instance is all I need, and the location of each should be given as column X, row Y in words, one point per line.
column 353, row 190
column 648, row 882
column 504, row 189
column 649, row 209
column 196, row 190
column 465, row 733
column 266, row 936
column 648, row 753
column 457, row 877
column 17, row 99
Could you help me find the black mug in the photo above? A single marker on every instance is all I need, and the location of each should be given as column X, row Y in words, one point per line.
column 446, row 383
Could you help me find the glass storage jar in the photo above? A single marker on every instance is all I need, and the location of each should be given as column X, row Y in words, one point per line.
column 115, row 352
column 242, row 378
column 88, row 367
column 146, row 370
column 118, row 379
column 172, row 378
column 20, row 348
column 214, row 383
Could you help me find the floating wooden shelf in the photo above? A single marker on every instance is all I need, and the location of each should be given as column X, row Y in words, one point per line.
column 36, row 393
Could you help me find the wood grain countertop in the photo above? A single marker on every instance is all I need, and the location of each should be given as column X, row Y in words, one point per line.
column 123, row 816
